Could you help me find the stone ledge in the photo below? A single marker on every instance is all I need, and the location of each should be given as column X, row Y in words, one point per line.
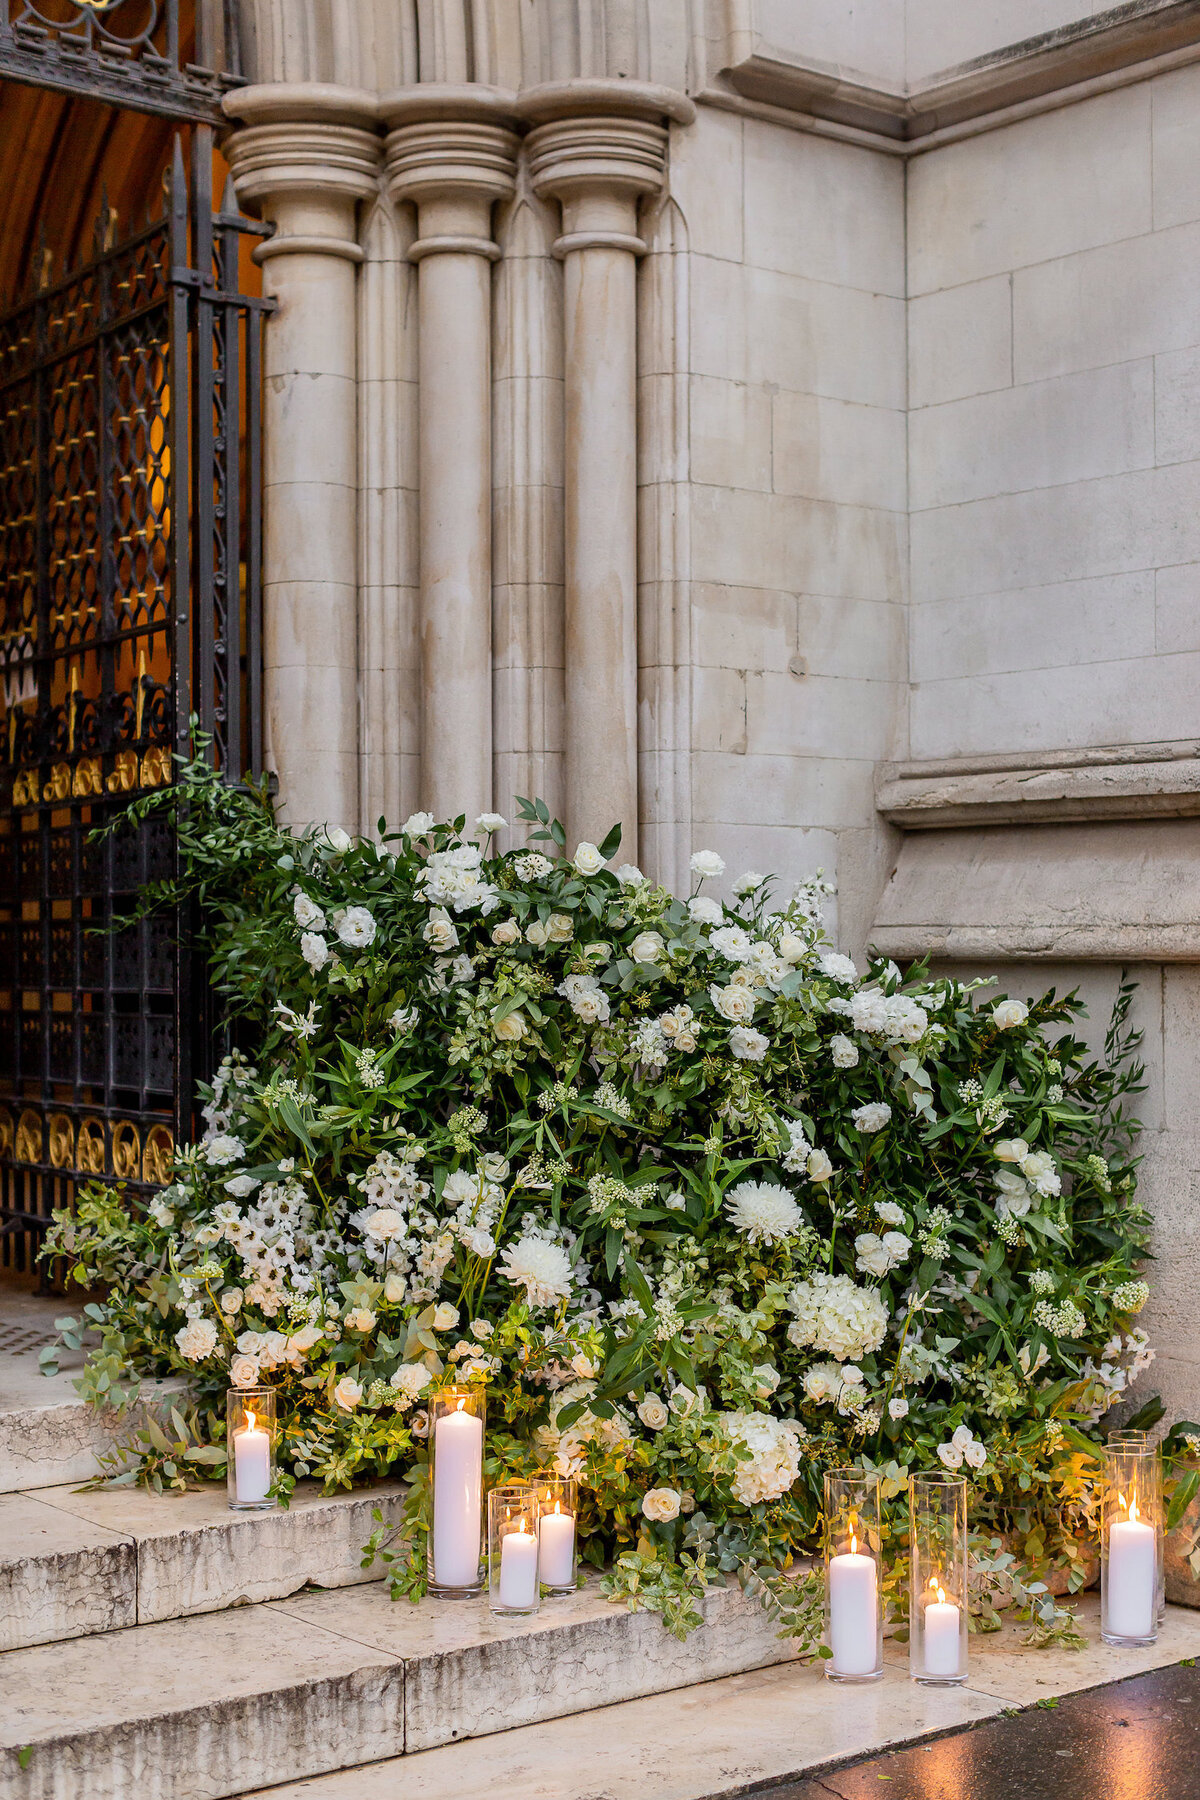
column 73, row 1564
column 1139, row 781
column 200, row 1708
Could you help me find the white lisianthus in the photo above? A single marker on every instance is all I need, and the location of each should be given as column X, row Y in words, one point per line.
column 838, row 968
column 647, row 947
column 1013, row 1196
column 307, row 913
column 418, row 824
column 1039, row 1171
column 872, row 1117
column 197, row 1339
column 843, row 1052
column 441, row 934
column 748, row 882
column 1008, row 1013
column 629, row 875
column 706, row 864
column 819, row 1166
column 653, row 1412
column 661, row 1505
column 703, row 911
column 587, row 860
column 243, row 1371
column 834, row 1315
column 314, row 950
column 540, row 1266
column 512, row 1029
column 403, row 1019
column 748, row 1045
column 490, row 823
column 898, row 1408
column 348, row 1393
column 763, row 1211
column 735, row 1003
column 445, row 1316
column 356, row 928
column 889, row 1213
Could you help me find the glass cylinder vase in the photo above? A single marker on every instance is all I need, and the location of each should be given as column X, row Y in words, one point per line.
column 456, row 1428
column 853, row 1584
column 250, row 1437
column 1131, row 1542
column 558, row 1511
column 1123, row 1435
column 513, row 1513
column 937, row 1620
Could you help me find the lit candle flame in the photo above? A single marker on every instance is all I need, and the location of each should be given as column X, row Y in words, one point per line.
column 853, row 1545
column 941, row 1594
column 557, row 1506
column 461, row 1404
column 1133, row 1511
column 249, row 1420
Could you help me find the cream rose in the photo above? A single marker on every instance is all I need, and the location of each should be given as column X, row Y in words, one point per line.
column 647, row 947
column 507, row 932
column 587, row 860
column 661, row 1504
column 445, row 1317
column 511, row 1028
column 243, row 1371
column 1009, row 1013
column 348, row 1393
column 735, row 1003
column 653, row 1412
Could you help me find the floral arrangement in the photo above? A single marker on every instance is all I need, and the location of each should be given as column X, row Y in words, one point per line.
column 708, row 1208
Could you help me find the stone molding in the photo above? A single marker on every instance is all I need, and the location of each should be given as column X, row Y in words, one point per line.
column 303, row 157
column 570, row 159
column 615, row 98
column 1135, row 781
column 458, row 159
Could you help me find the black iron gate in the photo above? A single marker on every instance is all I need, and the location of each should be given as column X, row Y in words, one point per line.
column 129, row 600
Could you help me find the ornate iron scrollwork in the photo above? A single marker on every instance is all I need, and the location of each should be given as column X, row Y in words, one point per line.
column 125, row 52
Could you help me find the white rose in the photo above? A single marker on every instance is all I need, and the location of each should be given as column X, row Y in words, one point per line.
column 231, row 1301
column 735, row 1003
column 748, row 1045
column 629, row 875
column 509, row 1030
column 243, row 1371
column 507, row 932
column 746, row 883
column 819, row 1166
column 843, row 1052
column 898, row 1409
column 394, row 1289
column 587, row 860
column 1011, row 1149
column 361, row 1319
column 307, row 913
column 338, row 841
column 653, row 1412
column 348, row 1393
column 356, row 928
column 661, row 1504
column 440, row 933
column 559, row 929
column 445, row 1318
column 314, row 950
column 306, row 1339
column 1007, row 1013
column 707, row 865
column 793, row 949
column 537, row 933
column 950, row 1455
column 703, row 911
column 647, row 947
column 489, row 823
column 764, row 1379
column 418, row 824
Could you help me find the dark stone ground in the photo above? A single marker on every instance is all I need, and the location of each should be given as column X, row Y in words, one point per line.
column 1132, row 1740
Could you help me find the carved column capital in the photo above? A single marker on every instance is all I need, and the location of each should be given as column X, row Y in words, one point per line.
column 453, row 151
column 305, row 156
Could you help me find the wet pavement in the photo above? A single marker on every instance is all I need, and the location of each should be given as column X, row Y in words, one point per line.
column 1132, row 1740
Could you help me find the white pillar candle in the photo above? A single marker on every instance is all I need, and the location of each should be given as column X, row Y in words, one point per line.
column 556, row 1554
column 942, row 1622
column 1131, row 1589
column 518, row 1568
column 457, row 1487
column 853, row 1613
column 251, row 1461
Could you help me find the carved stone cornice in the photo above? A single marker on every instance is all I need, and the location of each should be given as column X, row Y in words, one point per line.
column 1127, row 781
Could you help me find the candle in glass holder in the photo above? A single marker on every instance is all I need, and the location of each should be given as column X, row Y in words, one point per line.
column 853, row 1612
column 251, row 1461
column 942, row 1622
column 518, row 1569
column 556, row 1554
column 457, row 1489
column 1132, row 1587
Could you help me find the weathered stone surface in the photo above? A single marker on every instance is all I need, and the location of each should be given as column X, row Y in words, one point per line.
column 1100, row 784
column 60, row 1576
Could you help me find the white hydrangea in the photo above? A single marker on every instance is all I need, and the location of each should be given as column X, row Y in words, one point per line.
column 763, row 1211
column 834, row 1315
column 774, row 1461
column 197, row 1339
column 540, row 1266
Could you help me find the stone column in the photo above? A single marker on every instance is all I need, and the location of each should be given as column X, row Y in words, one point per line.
column 305, row 158
column 452, row 151
column 599, row 148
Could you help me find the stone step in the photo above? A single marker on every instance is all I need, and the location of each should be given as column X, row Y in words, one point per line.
column 230, row 1702
column 75, row 1563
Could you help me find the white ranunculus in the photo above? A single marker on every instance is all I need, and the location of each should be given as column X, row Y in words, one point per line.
column 507, row 932
column 307, row 913
column 735, row 1003
column 356, row 928
column 747, row 1044
column 653, row 1412
column 348, row 1393
column 1007, row 1013
column 489, row 823
column 703, row 911
column 314, row 950
column 647, row 947
column 843, row 1052
column 512, row 1028
column 707, row 864
column 872, row 1117
column 441, row 934
column 418, row 824
column 587, row 860
column 445, row 1316
column 763, row 1211
column 661, row 1505
column 197, row 1339
column 629, row 875
column 243, row 1371
column 819, row 1166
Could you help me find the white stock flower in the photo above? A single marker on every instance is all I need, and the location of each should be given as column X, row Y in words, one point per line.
column 356, row 928
column 838, row 968
column 587, row 860
column 703, row 911
column 314, row 950
column 735, row 1003
column 872, row 1117
column 748, row 1045
column 647, row 947
column 843, row 1052
column 348, row 1393
column 418, row 824
column 307, row 913
column 661, row 1504
column 243, row 1371
column 1008, row 1013
column 197, row 1339
column 763, row 1211
column 706, row 864
column 834, row 1315
column 653, row 1412
column 540, row 1266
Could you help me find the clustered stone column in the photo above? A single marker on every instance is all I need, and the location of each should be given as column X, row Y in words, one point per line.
column 307, row 156
column 453, row 152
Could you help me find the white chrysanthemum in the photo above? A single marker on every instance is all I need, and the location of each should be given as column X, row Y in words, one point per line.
column 763, row 1211
column 540, row 1266
column 834, row 1315
column 774, row 1456
column 197, row 1339
column 732, row 943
